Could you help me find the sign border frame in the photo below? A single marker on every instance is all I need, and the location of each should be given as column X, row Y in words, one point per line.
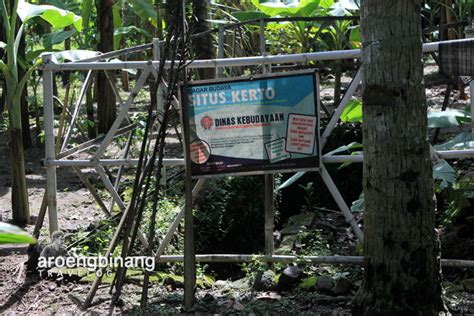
column 317, row 100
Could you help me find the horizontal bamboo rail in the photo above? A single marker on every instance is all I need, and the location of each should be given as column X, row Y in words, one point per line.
column 227, row 62
column 356, row 260
column 443, row 154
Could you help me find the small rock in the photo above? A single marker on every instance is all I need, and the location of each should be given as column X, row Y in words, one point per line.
column 264, row 281
column 343, row 286
column 238, row 306
column 268, row 296
column 290, row 278
column 324, row 283
column 221, row 284
column 240, row 284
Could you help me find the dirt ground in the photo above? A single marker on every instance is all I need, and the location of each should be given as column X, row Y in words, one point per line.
column 29, row 294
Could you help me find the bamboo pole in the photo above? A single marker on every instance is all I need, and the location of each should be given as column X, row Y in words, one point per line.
column 77, row 108
column 174, row 226
column 341, row 203
column 443, row 154
column 62, row 118
column 120, row 170
column 231, row 62
column 93, row 142
column 239, row 258
column 122, row 114
column 110, row 187
column 337, row 113
column 91, row 189
column 50, row 151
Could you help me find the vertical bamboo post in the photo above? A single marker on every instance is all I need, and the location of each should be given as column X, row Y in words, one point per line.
column 159, row 99
column 269, row 178
column 269, row 214
column 220, row 51
column 50, row 153
column 263, row 49
column 469, row 31
column 189, row 251
column 471, row 89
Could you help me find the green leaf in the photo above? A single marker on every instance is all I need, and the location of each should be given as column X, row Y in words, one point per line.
column 56, row 17
column 359, row 204
column 291, row 180
column 18, row 38
column 73, row 55
column 6, row 72
column 54, row 38
column 304, row 8
column 355, row 37
column 24, row 79
column 32, row 55
column 326, row 4
column 353, row 145
column 129, row 29
column 3, row 45
column 86, row 13
column 117, row 19
column 249, row 15
column 445, row 173
column 145, row 10
column 448, row 118
column 308, row 283
column 352, row 112
column 10, row 234
column 461, row 141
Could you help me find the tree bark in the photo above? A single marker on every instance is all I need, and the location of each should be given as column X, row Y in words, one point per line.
column 106, row 108
column 401, row 249
column 203, row 46
column 20, row 207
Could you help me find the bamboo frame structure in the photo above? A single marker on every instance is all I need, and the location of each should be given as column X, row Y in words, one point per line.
column 99, row 163
column 51, row 162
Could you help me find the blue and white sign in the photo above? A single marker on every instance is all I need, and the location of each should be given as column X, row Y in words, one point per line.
column 254, row 125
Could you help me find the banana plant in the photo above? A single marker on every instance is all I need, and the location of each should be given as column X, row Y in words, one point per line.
column 15, row 86
column 10, row 234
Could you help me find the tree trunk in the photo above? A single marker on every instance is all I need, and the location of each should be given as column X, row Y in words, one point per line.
column 20, row 207
column 401, row 249
column 123, row 44
column 203, row 46
column 106, row 109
